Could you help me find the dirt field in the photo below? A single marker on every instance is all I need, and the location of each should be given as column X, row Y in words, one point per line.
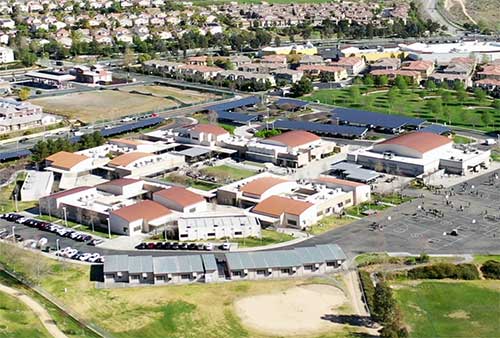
column 185, row 96
column 296, row 311
column 101, row 105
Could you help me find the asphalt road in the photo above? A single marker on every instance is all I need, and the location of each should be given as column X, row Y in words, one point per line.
column 430, row 9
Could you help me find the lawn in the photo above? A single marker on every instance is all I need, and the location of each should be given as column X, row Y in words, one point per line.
column 224, row 172
column 268, row 237
column 357, row 211
column 394, row 198
column 102, row 105
column 17, row 320
column 190, row 182
column 414, row 102
column 182, row 311
column 480, row 259
column 462, row 139
column 450, row 309
column 7, row 202
column 328, row 223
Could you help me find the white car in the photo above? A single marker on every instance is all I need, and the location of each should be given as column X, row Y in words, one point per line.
column 84, row 257
column 93, row 258
column 209, row 246
column 226, row 246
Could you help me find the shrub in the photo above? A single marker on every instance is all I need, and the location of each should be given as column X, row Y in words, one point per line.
column 444, row 270
column 368, row 287
column 491, row 269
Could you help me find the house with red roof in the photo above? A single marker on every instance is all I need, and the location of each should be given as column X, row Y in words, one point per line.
column 203, row 134
column 181, row 200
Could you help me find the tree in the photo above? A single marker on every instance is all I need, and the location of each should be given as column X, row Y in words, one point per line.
column 24, row 94
column 447, row 114
column 461, row 94
column 368, row 80
column 302, row 87
column 486, row 118
column 446, row 96
column 384, row 305
column 354, row 94
column 480, row 94
column 436, row 108
column 496, row 104
column 430, row 85
column 401, row 83
column 392, row 96
column 381, row 80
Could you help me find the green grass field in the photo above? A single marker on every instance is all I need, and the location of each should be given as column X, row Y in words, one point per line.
column 480, row 259
column 227, row 172
column 462, row 139
column 328, row 223
column 17, row 320
column 450, row 309
column 7, row 202
column 414, row 102
column 268, row 237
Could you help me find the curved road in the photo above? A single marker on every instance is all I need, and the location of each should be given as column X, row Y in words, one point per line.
column 39, row 310
column 430, row 8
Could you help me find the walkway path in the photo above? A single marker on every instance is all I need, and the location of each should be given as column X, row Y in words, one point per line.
column 39, row 310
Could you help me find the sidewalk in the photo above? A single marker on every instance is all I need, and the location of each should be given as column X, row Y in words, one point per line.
column 39, row 310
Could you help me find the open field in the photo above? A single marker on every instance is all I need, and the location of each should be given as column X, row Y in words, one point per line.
column 450, row 309
column 197, row 310
column 415, row 103
column 298, row 309
column 102, row 105
column 484, row 11
column 17, row 320
column 185, row 96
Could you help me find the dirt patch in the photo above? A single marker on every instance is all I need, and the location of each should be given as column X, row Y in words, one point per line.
column 295, row 311
column 461, row 314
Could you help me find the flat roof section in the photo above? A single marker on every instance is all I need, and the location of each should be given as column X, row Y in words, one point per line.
column 235, row 117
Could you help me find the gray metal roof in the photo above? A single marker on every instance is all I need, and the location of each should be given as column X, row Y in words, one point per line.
column 116, row 263
column 222, row 221
column 355, row 172
column 194, row 151
column 331, row 252
column 177, row 264
column 209, row 262
column 140, row 264
column 309, row 255
column 262, row 259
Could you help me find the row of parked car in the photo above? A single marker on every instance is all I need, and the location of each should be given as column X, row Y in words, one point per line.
column 50, row 227
column 181, row 246
column 71, row 253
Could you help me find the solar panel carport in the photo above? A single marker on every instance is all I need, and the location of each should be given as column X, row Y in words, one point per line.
column 235, row 117
column 436, row 129
column 12, row 155
column 320, row 128
column 374, row 120
column 293, row 103
column 226, row 106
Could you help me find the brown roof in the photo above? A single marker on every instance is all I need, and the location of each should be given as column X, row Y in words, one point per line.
column 348, row 61
column 121, row 182
column 334, row 180
column 260, row 185
column 180, row 196
column 127, row 141
column 418, row 65
column 321, row 68
column 295, row 138
column 147, row 210
column 275, row 206
column 125, row 159
column 209, row 129
column 420, row 141
column 69, row 192
column 65, row 160
column 490, row 70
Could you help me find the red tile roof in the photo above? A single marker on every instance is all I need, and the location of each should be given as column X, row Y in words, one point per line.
column 420, row 141
column 125, row 159
column 69, row 192
column 209, row 129
column 180, row 196
column 275, row 206
column 260, row 185
column 147, row 210
column 295, row 138
column 65, row 160
column 121, row 182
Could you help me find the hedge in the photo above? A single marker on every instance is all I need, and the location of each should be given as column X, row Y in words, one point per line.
column 444, row 270
column 491, row 269
column 366, row 283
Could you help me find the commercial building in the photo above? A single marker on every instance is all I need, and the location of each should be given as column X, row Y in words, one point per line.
column 6, row 55
column 136, row 164
column 36, row 185
column 139, row 217
column 203, row 134
column 160, row 270
column 300, row 262
column 291, row 149
column 94, row 74
column 50, row 78
column 420, row 153
column 15, row 115
column 295, row 263
column 181, row 200
column 210, row 226
column 361, row 192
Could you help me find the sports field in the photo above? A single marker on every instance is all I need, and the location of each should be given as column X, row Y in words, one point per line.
column 185, row 96
column 434, row 106
column 450, row 309
column 102, row 105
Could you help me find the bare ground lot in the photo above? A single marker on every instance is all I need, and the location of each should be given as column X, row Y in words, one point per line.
column 101, row 105
column 186, row 96
column 296, row 311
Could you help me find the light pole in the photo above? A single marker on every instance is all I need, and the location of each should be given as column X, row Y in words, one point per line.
column 15, row 201
column 14, row 232
column 57, row 244
column 65, row 217
column 109, row 228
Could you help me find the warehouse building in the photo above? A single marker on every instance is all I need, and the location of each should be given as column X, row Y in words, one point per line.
column 210, row 226
column 420, row 153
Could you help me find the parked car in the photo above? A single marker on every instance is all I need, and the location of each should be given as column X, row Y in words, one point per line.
column 95, row 241
column 208, row 246
column 85, row 256
column 151, row 246
column 225, row 246
column 183, row 246
column 94, row 258
column 141, row 246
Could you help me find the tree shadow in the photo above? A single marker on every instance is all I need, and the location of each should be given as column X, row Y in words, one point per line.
column 353, row 320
